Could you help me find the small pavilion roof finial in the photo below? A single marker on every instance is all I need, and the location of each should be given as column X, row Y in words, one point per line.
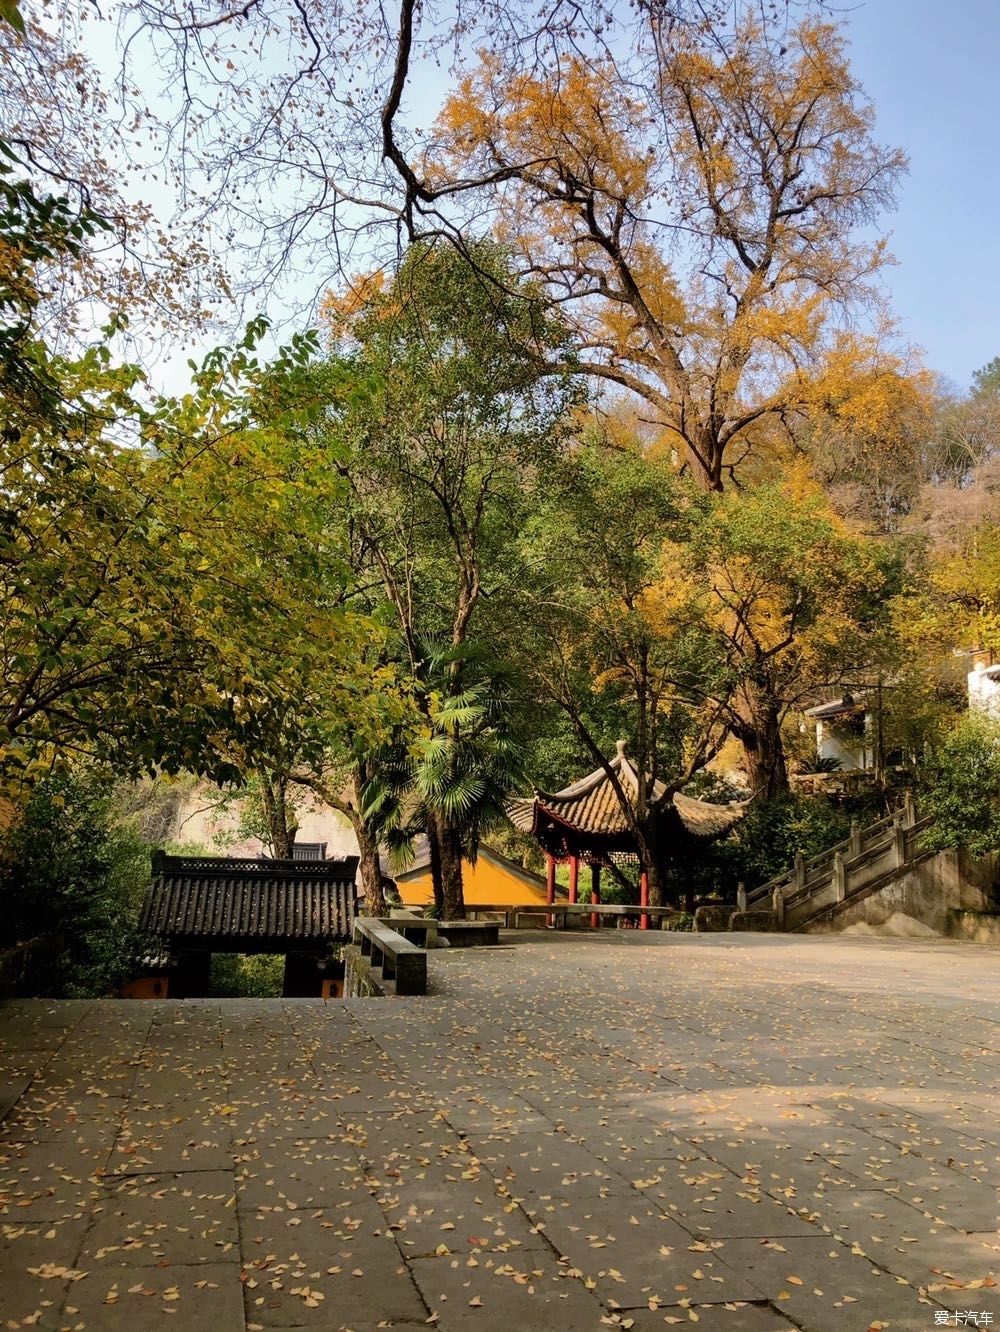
column 620, row 746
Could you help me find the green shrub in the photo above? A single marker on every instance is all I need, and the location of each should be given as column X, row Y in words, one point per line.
column 68, row 867
column 683, row 922
column 960, row 787
column 246, row 976
column 770, row 836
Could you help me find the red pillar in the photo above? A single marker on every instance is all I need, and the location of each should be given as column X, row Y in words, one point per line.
column 644, row 899
column 595, row 895
column 574, row 876
column 550, row 887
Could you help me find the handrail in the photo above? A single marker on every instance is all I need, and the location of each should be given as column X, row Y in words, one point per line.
column 823, row 859
column 881, row 859
column 398, row 959
column 867, row 857
column 862, row 891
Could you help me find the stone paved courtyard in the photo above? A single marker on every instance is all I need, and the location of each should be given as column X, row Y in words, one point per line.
column 748, row 1132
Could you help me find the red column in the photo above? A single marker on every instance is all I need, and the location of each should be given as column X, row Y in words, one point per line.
column 550, row 887
column 574, row 876
column 595, row 895
column 644, row 899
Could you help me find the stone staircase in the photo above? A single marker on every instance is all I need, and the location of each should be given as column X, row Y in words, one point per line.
column 817, row 889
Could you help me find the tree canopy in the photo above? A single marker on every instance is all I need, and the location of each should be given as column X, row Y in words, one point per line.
column 605, row 433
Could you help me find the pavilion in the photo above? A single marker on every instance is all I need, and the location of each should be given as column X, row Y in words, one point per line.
column 200, row 905
column 585, row 822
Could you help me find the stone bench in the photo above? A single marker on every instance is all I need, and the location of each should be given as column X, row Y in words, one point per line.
column 469, row 933
column 417, row 929
column 563, row 911
column 399, row 961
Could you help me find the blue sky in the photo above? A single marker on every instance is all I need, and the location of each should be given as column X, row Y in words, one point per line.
column 930, row 66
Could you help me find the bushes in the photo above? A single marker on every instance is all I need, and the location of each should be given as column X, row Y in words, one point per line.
column 960, row 787
column 770, row 836
column 68, row 867
column 242, row 976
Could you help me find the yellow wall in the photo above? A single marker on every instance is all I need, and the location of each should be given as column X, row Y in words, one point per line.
column 146, row 987
column 485, row 883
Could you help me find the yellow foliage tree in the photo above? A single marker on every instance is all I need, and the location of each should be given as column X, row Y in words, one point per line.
column 960, row 603
column 792, row 599
column 698, row 224
column 867, row 418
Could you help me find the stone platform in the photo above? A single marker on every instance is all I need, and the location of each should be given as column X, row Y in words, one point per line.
column 579, row 1132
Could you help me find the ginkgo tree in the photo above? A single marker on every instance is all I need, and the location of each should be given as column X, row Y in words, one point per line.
column 696, row 186
column 791, row 598
column 702, row 231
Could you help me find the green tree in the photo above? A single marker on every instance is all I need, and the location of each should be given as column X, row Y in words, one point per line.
column 69, row 867
column 452, row 781
column 441, row 418
column 599, row 645
column 162, row 598
column 987, row 378
column 771, row 834
column 960, row 783
column 793, row 600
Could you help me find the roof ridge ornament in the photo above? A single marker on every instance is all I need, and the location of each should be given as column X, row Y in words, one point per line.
column 620, row 746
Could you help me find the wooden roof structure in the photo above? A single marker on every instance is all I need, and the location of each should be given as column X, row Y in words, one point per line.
column 586, row 819
column 249, row 905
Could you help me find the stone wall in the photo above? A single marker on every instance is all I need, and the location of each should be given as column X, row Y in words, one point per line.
column 922, row 900
column 759, row 922
column 977, row 926
column 711, row 919
column 360, row 982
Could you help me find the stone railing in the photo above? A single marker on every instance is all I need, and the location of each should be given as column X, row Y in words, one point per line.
column 859, row 864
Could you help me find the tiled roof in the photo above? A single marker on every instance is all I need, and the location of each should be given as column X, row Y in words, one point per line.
column 844, row 706
column 703, row 819
column 591, row 805
column 201, row 899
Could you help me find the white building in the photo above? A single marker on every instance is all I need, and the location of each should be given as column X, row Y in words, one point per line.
column 984, row 690
column 844, row 733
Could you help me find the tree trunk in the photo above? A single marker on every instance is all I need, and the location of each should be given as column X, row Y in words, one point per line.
column 435, row 855
column 763, row 747
column 657, row 888
column 281, row 828
column 371, row 873
column 704, row 457
column 652, row 857
column 450, row 851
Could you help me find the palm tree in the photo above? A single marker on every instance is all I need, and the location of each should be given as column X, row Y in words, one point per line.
column 452, row 780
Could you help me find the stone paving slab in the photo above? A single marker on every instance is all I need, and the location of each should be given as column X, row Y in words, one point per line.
column 308, row 1269
column 753, row 1133
column 206, row 1297
column 151, row 1219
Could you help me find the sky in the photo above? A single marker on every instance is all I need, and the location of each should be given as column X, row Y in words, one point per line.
column 930, row 67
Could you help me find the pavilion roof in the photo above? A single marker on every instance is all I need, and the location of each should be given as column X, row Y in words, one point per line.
column 590, row 808
column 202, row 900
